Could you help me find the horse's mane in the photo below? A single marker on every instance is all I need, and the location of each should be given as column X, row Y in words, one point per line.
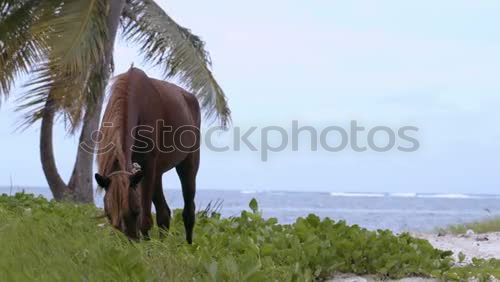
column 111, row 155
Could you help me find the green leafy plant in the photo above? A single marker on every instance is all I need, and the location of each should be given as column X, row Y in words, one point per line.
column 461, row 257
column 46, row 241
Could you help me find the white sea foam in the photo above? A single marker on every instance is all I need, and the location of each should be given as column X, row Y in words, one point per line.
column 344, row 194
column 411, row 195
column 404, row 195
column 248, row 192
column 449, row 196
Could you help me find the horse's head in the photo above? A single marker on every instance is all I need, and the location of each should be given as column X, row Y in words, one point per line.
column 122, row 203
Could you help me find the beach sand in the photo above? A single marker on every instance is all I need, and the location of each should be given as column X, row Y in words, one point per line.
column 484, row 246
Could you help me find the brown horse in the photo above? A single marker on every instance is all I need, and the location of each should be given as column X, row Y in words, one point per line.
column 154, row 124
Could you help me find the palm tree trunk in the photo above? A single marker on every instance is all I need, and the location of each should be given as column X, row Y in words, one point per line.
column 81, row 181
column 56, row 184
column 80, row 186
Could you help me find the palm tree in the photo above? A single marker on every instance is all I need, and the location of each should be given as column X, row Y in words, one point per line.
column 65, row 49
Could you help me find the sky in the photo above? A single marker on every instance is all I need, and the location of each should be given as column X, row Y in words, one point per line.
column 433, row 65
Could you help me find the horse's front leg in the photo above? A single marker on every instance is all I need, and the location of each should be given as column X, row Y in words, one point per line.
column 147, row 190
column 161, row 207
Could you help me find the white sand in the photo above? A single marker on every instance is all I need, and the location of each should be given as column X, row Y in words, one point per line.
column 471, row 246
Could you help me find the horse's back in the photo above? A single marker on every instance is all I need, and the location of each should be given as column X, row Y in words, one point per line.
column 168, row 112
column 172, row 94
column 157, row 99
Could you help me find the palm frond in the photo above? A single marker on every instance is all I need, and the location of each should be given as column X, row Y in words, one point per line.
column 77, row 36
column 7, row 6
column 20, row 49
column 44, row 88
column 180, row 53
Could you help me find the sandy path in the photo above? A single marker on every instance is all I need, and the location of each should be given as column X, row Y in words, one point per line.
column 471, row 246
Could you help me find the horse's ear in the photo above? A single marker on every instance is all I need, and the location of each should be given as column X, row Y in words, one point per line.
column 102, row 181
column 136, row 178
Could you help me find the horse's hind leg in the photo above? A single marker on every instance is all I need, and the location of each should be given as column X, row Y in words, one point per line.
column 161, row 206
column 187, row 171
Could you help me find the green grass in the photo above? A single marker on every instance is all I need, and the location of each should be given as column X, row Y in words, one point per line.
column 483, row 226
column 47, row 241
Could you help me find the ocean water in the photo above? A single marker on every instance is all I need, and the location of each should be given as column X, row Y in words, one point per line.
column 395, row 211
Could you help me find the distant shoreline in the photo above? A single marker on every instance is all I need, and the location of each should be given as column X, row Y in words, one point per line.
column 439, row 195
